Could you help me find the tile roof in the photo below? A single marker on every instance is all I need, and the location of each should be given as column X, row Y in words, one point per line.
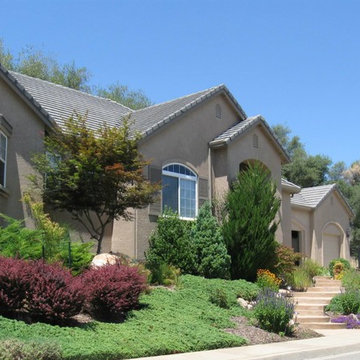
column 227, row 136
column 290, row 186
column 59, row 102
column 311, row 197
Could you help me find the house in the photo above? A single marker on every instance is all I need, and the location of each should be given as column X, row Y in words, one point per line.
column 196, row 144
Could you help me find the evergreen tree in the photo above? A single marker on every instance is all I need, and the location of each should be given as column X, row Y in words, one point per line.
column 250, row 225
column 212, row 259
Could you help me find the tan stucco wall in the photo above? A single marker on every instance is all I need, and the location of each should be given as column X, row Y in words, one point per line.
column 301, row 220
column 185, row 141
column 286, row 218
column 330, row 216
column 331, row 211
column 26, row 140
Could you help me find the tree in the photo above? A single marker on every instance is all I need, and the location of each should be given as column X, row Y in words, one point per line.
column 250, row 225
column 123, row 95
column 35, row 63
column 95, row 175
column 212, row 259
column 304, row 170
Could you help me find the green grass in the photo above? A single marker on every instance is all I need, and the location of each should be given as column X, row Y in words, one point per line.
column 169, row 322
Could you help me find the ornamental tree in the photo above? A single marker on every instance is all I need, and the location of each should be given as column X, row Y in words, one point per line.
column 250, row 225
column 95, row 175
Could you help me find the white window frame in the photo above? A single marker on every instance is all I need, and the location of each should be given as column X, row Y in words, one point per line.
column 185, row 177
column 4, row 160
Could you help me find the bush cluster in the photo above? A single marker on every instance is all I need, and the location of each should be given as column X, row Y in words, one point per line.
column 267, row 280
column 50, row 293
column 196, row 248
column 274, row 312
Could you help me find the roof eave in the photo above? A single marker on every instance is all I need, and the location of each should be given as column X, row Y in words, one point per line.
column 27, row 97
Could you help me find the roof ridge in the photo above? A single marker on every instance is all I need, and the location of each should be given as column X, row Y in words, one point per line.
column 181, row 97
column 68, row 88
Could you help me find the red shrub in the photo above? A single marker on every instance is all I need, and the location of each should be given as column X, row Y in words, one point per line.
column 112, row 290
column 13, row 284
column 54, row 294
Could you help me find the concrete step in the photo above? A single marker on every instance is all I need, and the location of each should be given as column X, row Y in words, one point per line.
column 322, row 277
column 327, row 289
column 310, row 312
column 309, row 307
column 317, row 325
column 312, row 301
column 312, row 319
column 314, row 295
column 330, row 282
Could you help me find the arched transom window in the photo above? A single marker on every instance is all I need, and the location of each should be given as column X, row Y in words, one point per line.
column 179, row 187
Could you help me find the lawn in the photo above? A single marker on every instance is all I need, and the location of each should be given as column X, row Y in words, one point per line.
column 168, row 322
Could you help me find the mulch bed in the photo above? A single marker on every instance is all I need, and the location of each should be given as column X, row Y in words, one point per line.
column 255, row 335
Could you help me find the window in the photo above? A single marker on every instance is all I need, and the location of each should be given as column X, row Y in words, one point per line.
column 179, row 188
column 218, row 111
column 3, row 149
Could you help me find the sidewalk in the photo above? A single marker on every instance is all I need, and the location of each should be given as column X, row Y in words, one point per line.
column 334, row 342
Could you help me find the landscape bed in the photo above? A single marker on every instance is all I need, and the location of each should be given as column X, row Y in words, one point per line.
column 167, row 322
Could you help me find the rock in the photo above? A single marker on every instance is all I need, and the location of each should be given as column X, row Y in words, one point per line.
column 104, row 259
column 243, row 303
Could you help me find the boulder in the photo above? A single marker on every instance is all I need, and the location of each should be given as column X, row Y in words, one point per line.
column 104, row 259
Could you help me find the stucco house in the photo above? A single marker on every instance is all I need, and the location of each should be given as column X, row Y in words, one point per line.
column 196, row 144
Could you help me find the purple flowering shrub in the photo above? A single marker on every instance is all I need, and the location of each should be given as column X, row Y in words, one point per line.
column 352, row 321
column 274, row 312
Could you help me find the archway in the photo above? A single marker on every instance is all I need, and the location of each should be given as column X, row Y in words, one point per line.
column 332, row 242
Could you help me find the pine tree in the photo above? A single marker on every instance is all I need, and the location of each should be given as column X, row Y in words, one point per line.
column 212, row 259
column 249, row 228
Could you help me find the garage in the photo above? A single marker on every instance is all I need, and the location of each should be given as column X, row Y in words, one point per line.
column 331, row 237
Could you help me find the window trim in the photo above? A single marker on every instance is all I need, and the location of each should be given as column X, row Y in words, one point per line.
column 184, row 177
column 4, row 160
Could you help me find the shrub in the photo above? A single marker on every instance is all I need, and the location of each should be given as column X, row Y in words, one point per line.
column 17, row 350
column 311, row 267
column 274, row 312
column 50, row 241
column 18, row 241
column 299, row 279
column 343, row 261
column 211, row 257
column 286, row 259
column 266, row 279
column 163, row 274
column 351, row 280
column 112, row 290
column 54, row 295
column 249, row 226
column 76, row 256
column 170, row 244
column 219, row 298
column 13, row 284
column 338, row 270
column 352, row 321
column 346, row 303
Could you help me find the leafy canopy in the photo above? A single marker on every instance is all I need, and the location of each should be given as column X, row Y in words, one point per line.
column 95, row 175
column 36, row 63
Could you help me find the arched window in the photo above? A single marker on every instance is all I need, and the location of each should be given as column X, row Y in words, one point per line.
column 179, row 187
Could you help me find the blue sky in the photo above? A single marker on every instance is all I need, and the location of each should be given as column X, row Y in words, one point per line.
column 296, row 62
